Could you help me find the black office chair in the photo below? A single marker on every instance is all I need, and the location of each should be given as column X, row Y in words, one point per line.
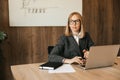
column 50, row 49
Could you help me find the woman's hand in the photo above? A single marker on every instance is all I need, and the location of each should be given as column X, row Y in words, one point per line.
column 76, row 59
column 86, row 53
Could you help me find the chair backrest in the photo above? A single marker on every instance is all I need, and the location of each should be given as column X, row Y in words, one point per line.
column 50, row 49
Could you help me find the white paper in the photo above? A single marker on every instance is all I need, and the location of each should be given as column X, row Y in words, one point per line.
column 65, row 68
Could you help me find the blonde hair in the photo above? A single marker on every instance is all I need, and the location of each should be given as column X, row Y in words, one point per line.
column 68, row 31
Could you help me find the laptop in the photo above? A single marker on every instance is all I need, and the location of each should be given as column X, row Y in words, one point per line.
column 101, row 56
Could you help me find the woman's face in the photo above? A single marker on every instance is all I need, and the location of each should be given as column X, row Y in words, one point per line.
column 75, row 24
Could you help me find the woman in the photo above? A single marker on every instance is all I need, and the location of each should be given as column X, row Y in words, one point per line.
column 74, row 44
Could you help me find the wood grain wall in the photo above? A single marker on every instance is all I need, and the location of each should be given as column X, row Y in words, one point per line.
column 29, row 45
column 102, row 19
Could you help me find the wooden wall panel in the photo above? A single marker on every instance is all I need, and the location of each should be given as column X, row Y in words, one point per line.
column 116, row 21
column 20, row 44
column 29, row 45
column 102, row 20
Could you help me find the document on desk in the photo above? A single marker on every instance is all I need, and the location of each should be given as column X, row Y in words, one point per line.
column 65, row 68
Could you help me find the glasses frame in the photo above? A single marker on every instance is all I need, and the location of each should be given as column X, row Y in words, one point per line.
column 71, row 22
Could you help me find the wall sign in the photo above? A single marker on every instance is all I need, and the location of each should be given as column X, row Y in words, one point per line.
column 41, row 12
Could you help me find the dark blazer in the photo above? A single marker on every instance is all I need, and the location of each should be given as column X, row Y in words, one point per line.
column 67, row 47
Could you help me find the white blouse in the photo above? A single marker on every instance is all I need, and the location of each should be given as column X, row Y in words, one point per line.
column 77, row 37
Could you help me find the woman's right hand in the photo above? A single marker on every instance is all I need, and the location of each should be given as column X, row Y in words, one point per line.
column 76, row 59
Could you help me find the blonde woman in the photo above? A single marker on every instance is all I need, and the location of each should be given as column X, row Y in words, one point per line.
column 74, row 44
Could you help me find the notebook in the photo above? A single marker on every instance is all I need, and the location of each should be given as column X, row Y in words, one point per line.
column 50, row 65
column 101, row 56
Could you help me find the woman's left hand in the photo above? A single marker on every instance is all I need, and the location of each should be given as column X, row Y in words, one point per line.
column 86, row 54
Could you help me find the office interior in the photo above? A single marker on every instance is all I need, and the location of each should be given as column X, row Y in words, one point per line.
column 26, row 45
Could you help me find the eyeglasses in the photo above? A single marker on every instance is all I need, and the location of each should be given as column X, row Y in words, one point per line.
column 74, row 21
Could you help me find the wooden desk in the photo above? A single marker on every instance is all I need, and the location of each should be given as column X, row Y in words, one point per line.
column 32, row 72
